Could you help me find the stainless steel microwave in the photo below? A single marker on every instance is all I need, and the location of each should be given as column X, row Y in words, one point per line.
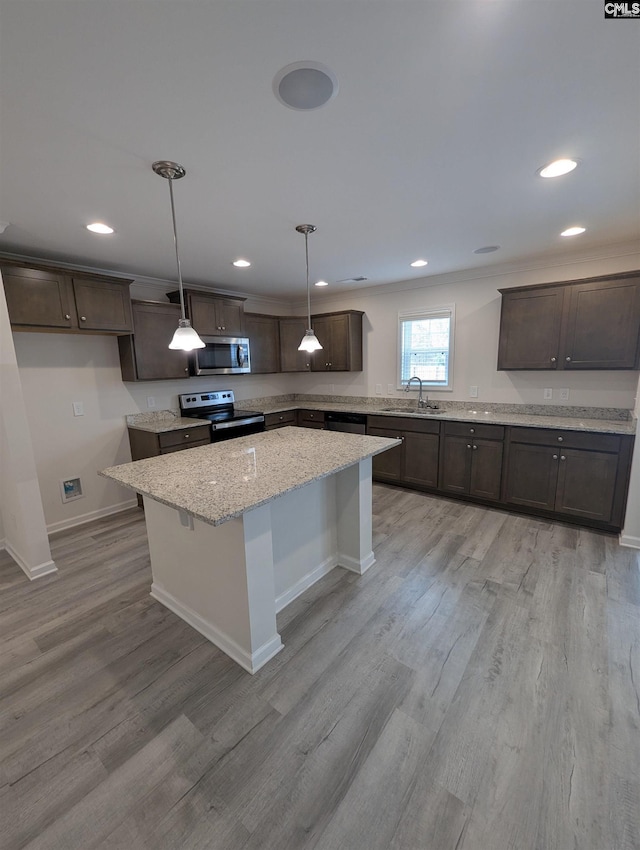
column 222, row 355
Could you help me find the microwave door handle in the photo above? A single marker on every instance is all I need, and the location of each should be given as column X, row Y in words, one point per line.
column 240, row 355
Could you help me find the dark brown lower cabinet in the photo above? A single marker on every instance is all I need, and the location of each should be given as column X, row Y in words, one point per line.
column 280, row 419
column 573, row 474
column 415, row 462
column 311, row 419
column 471, row 460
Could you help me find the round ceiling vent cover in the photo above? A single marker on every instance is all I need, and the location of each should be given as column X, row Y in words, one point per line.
column 305, row 85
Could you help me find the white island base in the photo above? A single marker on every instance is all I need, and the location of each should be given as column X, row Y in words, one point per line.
column 229, row 581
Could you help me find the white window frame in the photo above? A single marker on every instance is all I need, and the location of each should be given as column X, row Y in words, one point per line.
column 444, row 311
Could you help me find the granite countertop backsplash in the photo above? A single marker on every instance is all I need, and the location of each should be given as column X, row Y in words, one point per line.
column 596, row 419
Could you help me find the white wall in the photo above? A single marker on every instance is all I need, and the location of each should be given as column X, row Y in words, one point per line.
column 24, row 534
column 477, row 302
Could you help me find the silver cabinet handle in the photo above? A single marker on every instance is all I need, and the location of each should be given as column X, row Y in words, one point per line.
column 186, row 368
column 568, row 359
column 562, row 457
column 186, row 436
column 311, row 416
column 224, row 328
column 560, row 439
column 472, row 430
column 468, row 445
column 67, row 316
column 83, row 318
column 553, row 359
column 281, row 418
column 474, row 448
column 555, row 457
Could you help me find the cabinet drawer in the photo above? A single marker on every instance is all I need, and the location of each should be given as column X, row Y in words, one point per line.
column 193, row 444
column 284, row 417
column 404, row 423
column 569, row 439
column 480, row 431
column 171, row 440
column 311, row 418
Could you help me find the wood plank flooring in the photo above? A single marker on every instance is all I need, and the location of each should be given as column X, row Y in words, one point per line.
column 477, row 689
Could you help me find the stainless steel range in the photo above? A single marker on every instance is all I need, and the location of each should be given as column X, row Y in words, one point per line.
column 218, row 407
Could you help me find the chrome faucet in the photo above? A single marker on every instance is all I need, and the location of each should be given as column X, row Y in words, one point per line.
column 421, row 402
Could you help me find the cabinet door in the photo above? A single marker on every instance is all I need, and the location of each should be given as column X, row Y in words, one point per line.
column 321, row 360
column 231, row 317
column 455, row 464
column 530, row 325
column 264, row 341
column 387, row 466
column 291, row 333
column 203, row 312
column 333, row 334
column 586, row 484
column 145, row 354
column 532, row 475
column 102, row 305
column 603, row 327
column 420, row 459
column 486, row 469
column 38, row 298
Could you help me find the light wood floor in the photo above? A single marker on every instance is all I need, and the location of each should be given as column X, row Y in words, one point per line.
column 477, row 689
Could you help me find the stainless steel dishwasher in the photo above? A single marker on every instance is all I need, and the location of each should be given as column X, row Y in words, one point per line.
column 352, row 423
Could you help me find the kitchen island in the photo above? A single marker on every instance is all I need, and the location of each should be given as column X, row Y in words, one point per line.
column 239, row 529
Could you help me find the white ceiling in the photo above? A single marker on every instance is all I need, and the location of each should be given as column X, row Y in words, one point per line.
column 445, row 110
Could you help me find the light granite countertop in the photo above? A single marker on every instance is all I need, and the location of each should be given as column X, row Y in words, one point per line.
column 472, row 414
column 580, row 418
column 220, row 481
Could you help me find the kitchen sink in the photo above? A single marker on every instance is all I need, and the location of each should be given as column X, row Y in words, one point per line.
column 423, row 411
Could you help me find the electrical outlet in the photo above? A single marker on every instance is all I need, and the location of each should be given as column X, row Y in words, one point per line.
column 78, row 408
column 473, row 392
column 564, row 394
column 378, row 389
column 151, row 402
column 548, row 393
column 390, row 389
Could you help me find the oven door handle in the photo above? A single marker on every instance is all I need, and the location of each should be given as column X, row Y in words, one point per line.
column 237, row 423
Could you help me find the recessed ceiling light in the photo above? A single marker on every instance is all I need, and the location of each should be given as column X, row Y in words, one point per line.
column 241, row 264
column 557, row 168
column 417, row 264
column 488, row 249
column 322, row 283
column 305, row 85
column 573, row 231
column 99, row 227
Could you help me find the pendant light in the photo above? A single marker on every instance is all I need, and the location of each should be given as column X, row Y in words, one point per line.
column 185, row 338
column 309, row 340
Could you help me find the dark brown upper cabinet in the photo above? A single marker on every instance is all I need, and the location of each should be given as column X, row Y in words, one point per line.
column 340, row 335
column 212, row 315
column 145, row 354
column 587, row 324
column 264, row 340
column 53, row 299
column 292, row 330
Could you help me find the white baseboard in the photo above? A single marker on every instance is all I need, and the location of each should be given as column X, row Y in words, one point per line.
column 305, row 582
column 628, row 540
column 356, row 566
column 31, row 573
column 83, row 519
column 251, row 662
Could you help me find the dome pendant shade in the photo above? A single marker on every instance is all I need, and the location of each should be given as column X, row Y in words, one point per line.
column 309, row 341
column 185, row 338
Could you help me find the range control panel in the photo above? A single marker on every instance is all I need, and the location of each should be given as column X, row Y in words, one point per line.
column 189, row 401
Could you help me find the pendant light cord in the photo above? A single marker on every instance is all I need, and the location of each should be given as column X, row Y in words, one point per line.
column 175, row 239
column 306, row 251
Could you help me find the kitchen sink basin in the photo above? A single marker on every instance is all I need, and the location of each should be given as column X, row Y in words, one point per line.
column 423, row 411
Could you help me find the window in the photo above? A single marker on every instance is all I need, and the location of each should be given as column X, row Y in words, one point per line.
column 425, row 345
